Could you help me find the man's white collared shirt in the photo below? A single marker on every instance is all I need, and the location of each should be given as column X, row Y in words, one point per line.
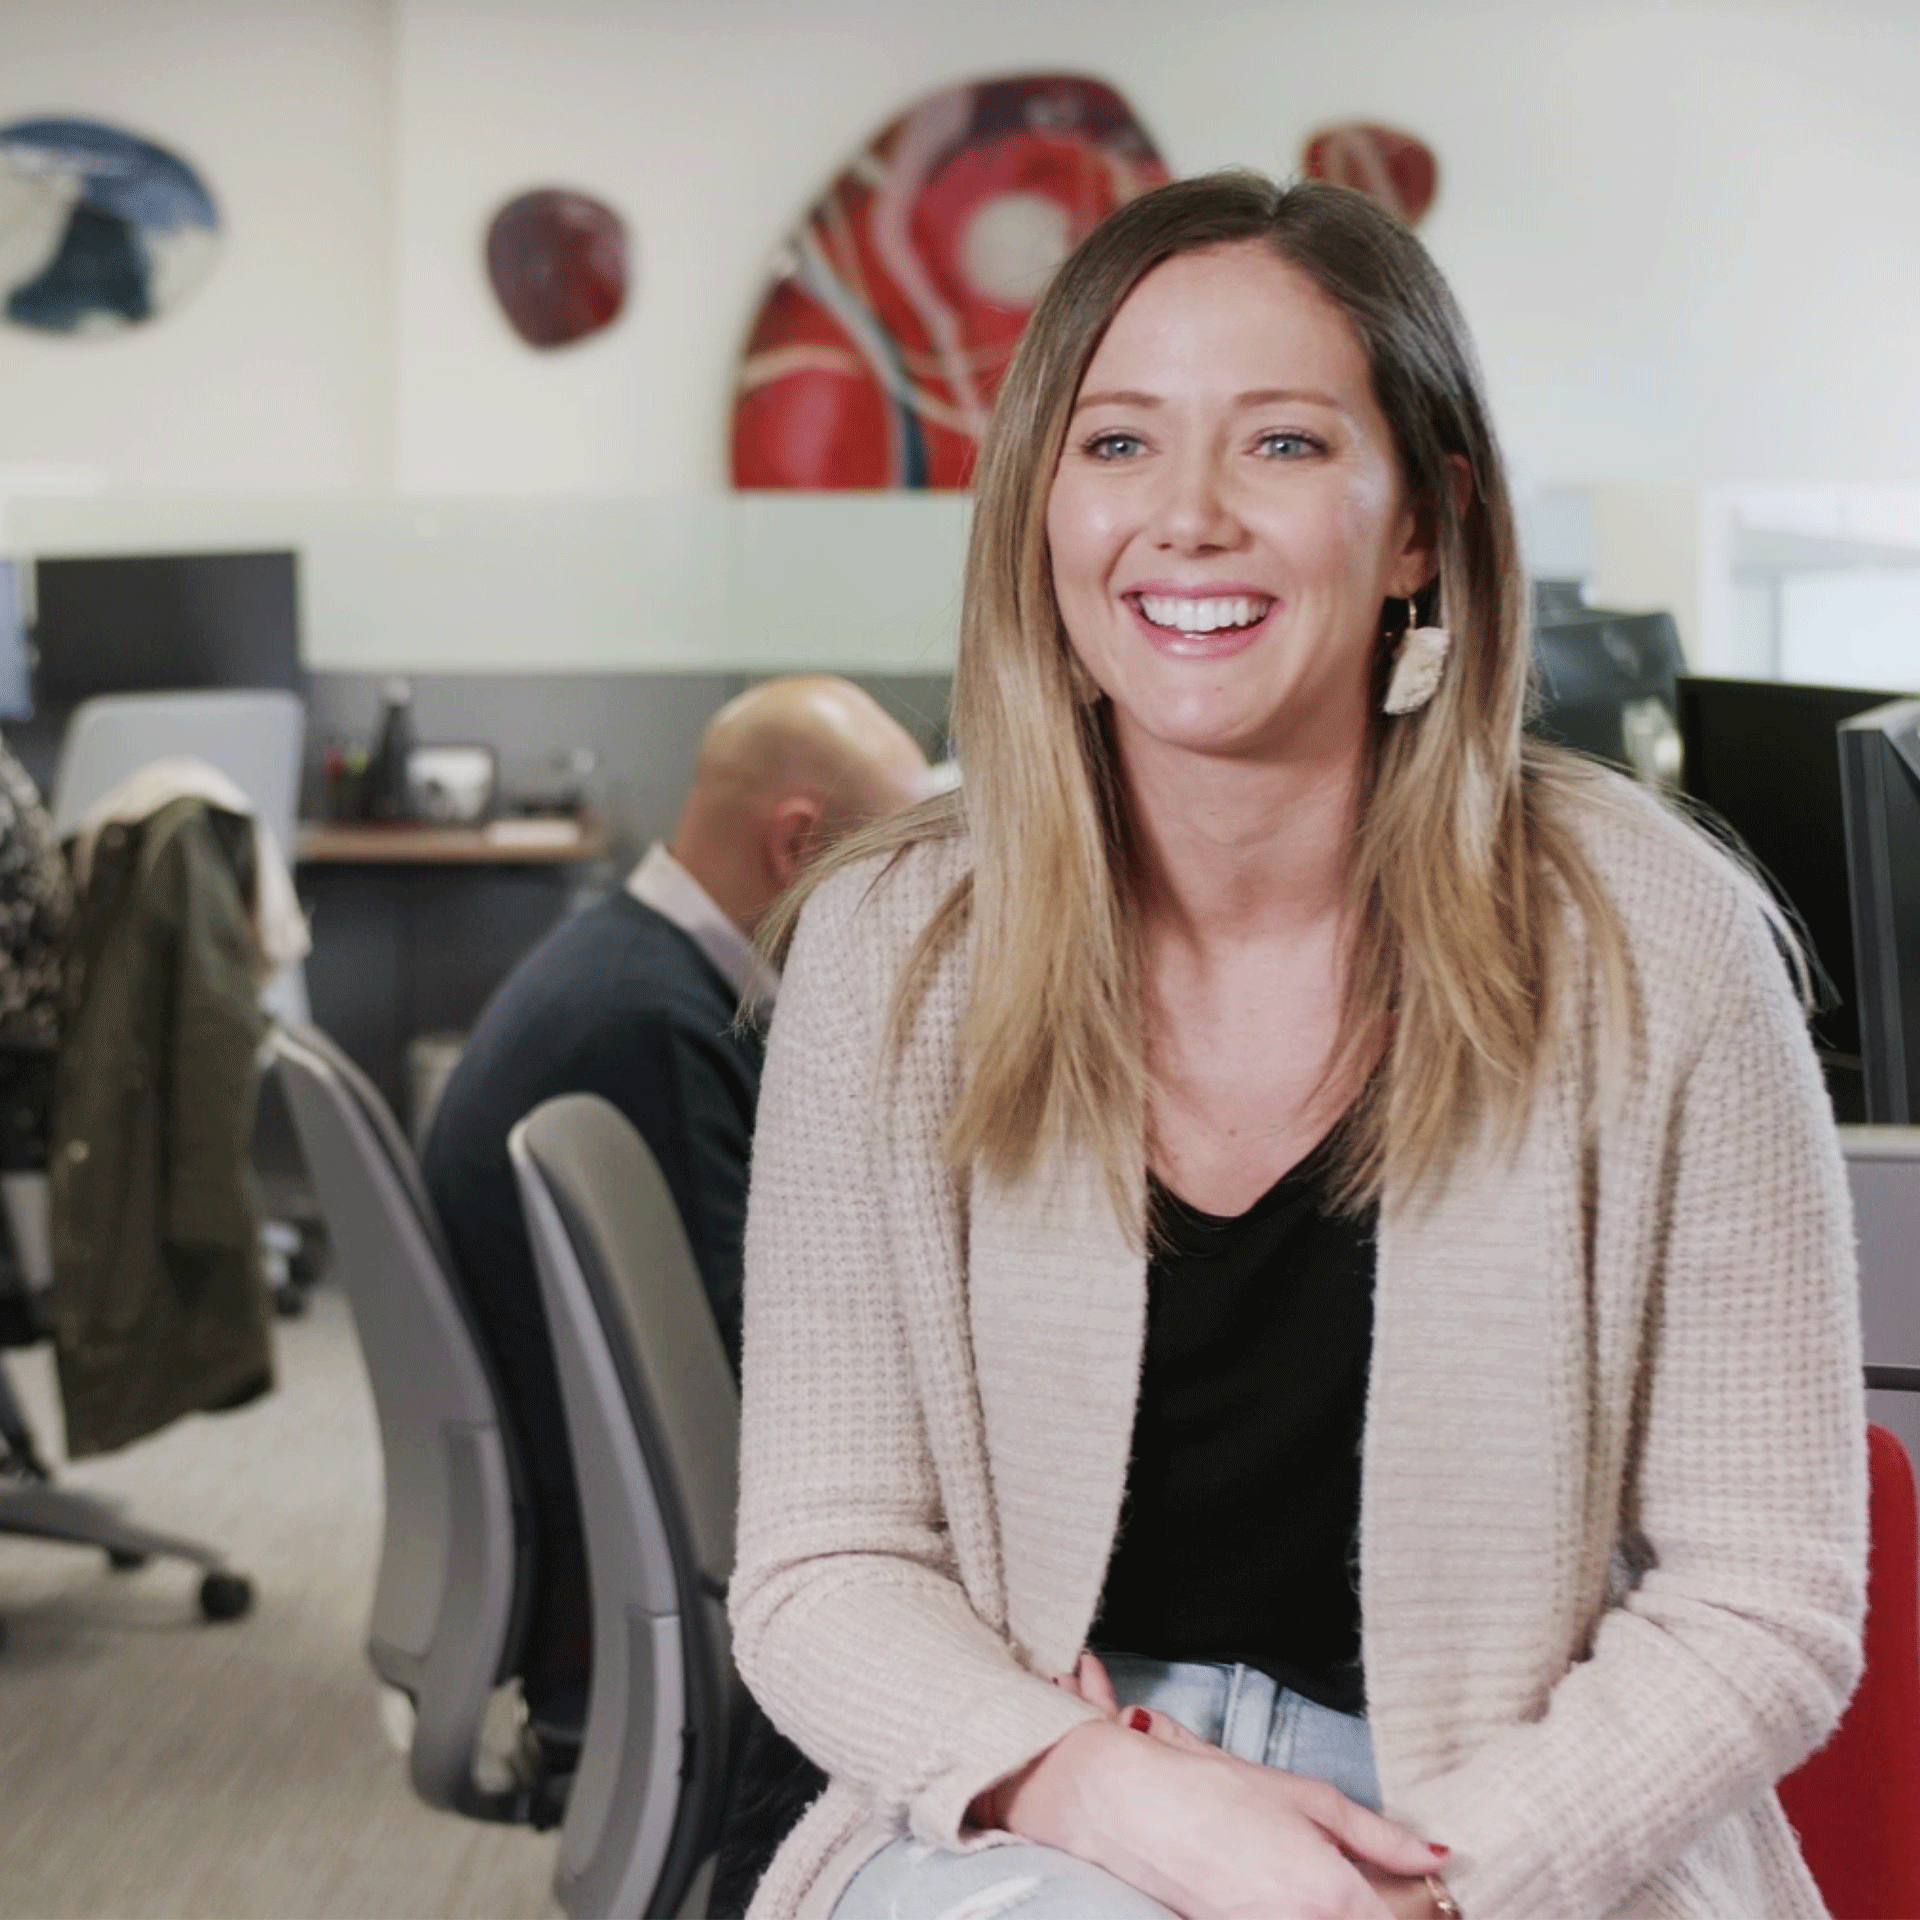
column 662, row 883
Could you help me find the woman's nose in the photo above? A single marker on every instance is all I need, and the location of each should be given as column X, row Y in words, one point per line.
column 1195, row 513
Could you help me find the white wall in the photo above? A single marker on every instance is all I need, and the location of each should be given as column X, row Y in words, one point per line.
column 278, row 372
column 1678, row 227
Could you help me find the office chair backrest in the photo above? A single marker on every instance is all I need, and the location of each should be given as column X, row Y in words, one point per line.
column 1854, row 1802
column 653, row 1415
column 254, row 736
column 451, row 1564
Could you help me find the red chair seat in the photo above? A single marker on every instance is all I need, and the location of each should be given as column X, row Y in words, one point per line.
column 1856, row 1803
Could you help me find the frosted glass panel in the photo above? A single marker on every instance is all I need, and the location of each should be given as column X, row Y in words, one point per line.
column 821, row 579
column 696, row 582
column 1853, row 628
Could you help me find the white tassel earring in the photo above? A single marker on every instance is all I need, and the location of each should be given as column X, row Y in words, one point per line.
column 1417, row 660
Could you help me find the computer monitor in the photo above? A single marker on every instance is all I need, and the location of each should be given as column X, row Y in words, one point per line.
column 16, row 693
column 1765, row 757
column 145, row 623
column 1608, row 681
column 1880, row 785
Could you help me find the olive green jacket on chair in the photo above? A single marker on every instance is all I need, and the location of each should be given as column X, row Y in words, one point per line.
column 159, row 1301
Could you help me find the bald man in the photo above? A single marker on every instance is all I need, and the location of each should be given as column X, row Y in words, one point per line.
column 634, row 999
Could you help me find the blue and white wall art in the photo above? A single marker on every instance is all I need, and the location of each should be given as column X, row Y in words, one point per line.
column 99, row 229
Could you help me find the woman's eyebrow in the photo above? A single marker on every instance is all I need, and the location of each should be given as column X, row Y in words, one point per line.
column 1125, row 397
column 1287, row 396
column 1256, row 397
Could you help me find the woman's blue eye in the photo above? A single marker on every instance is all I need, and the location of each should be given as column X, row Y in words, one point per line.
column 1114, row 446
column 1287, row 446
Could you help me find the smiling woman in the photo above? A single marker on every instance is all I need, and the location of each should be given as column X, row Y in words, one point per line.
column 1300, row 1350
column 1382, row 464
column 1227, row 520
column 1174, row 476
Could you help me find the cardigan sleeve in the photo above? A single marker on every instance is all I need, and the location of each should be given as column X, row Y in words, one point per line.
column 1733, row 1653
column 851, row 1625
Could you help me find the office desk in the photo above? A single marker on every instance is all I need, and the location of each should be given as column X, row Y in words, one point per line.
column 415, row 926
column 501, row 843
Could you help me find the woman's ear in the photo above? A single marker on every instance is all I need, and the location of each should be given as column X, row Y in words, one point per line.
column 1420, row 559
column 1460, row 483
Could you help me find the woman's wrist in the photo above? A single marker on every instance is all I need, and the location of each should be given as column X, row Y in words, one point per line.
column 1047, row 1799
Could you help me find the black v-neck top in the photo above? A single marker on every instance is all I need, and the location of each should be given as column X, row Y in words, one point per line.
column 1238, row 1541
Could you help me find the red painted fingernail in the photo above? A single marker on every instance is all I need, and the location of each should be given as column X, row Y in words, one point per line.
column 1139, row 1719
column 1437, row 1850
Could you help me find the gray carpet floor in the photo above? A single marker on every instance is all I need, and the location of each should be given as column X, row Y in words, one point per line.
column 152, row 1764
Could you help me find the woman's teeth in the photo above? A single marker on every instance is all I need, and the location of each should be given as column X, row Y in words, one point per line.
column 1211, row 615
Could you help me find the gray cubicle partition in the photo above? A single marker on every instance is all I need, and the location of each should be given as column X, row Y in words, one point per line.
column 1883, row 1168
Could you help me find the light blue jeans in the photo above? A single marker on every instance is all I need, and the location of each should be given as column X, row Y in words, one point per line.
column 1238, row 1708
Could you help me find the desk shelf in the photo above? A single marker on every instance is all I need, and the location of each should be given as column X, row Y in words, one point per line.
column 407, row 844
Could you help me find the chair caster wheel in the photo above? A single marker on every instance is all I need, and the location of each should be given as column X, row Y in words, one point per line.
column 309, row 1261
column 226, row 1596
column 122, row 1560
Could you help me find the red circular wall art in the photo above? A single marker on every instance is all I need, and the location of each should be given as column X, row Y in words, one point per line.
column 558, row 262
column 897, row 301
column 1386, row 165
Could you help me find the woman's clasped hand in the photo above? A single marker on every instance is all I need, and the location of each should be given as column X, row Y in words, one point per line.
column 1210, row 1836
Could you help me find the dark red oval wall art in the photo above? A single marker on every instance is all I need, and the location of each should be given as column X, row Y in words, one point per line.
column 897, row 301
column 558, row 263
column 1386, row 165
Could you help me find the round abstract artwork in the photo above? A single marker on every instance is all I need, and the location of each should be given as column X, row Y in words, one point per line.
column 99, row 229
column 558, row 264
column 897, row 301
column 1385, row 164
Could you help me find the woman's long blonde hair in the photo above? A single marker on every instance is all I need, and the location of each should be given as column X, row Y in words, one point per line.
column 1464, row 865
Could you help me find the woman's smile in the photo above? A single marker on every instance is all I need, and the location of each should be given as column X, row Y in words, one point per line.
column 1200, row 623
column 1228, row 514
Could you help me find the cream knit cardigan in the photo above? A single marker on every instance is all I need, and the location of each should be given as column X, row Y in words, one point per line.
column 1613, row 1515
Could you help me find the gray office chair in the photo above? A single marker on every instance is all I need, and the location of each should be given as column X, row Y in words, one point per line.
column 449, row 1606
column 33, row 1507
column 1883, row 1170
column 653, row 1415
column 254, row 735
